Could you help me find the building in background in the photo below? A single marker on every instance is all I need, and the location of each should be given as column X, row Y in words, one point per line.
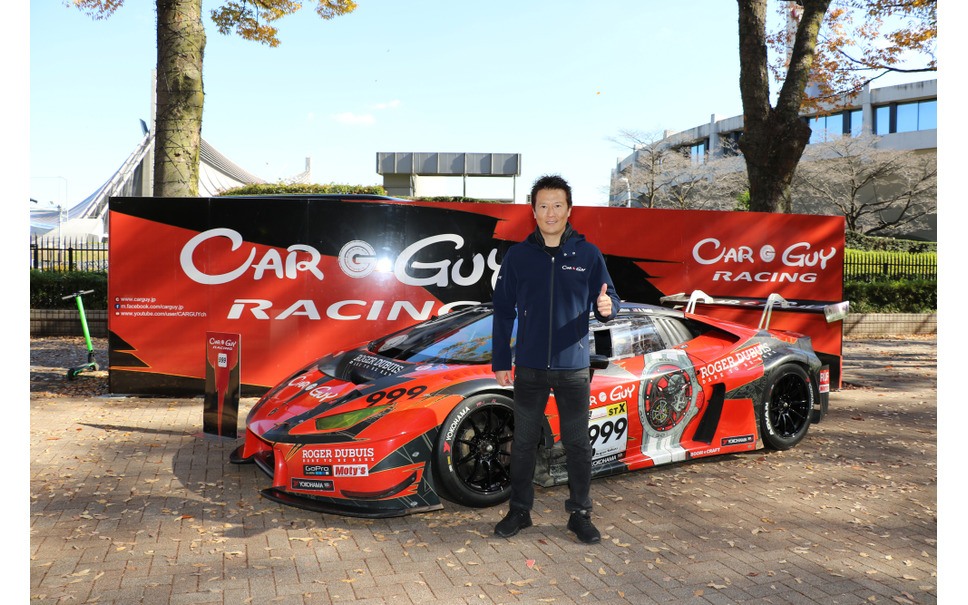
column 901, row 118
column 409, row 174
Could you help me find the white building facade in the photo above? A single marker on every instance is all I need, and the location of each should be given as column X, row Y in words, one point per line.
column 904, row 117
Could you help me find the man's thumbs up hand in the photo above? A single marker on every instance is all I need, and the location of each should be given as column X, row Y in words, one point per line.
column 604, row 302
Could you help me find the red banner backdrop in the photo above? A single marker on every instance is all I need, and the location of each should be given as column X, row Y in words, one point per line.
column 299, row 277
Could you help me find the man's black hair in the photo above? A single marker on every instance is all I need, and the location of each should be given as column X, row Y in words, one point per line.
column 550, row 181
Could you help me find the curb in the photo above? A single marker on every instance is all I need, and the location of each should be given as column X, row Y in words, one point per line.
column 67, row 322
column 863, row 325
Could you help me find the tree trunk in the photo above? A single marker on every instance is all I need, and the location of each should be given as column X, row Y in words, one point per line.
column 774, row 138
column 772, row 151
column 179, row 97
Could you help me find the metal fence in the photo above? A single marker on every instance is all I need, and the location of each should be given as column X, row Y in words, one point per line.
column 68, row 254
column 891, row 265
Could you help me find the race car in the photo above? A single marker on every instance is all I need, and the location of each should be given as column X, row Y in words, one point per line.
column 395, row 425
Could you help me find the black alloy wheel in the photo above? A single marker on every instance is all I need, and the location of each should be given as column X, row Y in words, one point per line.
column 787, row 407
column 472, row 458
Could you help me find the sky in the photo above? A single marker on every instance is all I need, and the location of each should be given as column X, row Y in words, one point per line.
column 551, row 80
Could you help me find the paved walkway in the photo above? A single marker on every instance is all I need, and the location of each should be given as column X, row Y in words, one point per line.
column 129, row 505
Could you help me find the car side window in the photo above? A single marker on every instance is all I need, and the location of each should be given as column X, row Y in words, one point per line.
column 626, row 337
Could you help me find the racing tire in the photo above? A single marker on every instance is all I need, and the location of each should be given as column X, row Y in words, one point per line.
column 786, row 407
column 472, row 457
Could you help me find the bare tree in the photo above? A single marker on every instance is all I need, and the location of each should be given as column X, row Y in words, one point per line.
column 643, row 177
column 878, row 191
column 661, row 174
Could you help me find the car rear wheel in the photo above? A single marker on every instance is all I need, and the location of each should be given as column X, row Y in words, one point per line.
column 786, row 407
column 472, row 458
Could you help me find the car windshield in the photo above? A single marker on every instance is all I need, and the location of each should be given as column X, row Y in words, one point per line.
column 457, row 337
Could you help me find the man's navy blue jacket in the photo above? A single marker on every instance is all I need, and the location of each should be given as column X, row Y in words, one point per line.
column 551, row 296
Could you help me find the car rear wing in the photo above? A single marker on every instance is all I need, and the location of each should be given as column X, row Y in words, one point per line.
column 832, row 311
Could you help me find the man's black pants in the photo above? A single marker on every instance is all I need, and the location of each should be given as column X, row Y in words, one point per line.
column 531, row 390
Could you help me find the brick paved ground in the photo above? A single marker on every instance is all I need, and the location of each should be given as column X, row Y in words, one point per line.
column 129, row 505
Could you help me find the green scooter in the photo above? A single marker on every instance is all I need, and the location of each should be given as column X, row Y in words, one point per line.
column 91, row 362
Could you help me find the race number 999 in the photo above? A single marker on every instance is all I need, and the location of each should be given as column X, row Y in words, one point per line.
column 608, row 430
column 392, row 396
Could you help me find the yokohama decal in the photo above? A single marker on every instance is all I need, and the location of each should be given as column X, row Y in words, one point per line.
column 315, row 485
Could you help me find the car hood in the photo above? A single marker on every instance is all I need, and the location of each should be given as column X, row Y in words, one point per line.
column 337, row 397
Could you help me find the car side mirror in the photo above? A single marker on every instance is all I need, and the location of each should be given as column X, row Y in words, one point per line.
column 598, row 362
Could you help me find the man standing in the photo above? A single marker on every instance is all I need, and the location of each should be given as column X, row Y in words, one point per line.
column 550, row 282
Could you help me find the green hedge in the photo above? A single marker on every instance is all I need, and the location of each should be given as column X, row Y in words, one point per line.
column 892, row 296
column 858, row 241
column 48, row 287
column 906, row 290
column 337, row 189
column 884, row 296
column 306, row 189
column 456, row 199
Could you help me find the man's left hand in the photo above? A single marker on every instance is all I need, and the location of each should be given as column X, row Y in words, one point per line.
column 604, row 302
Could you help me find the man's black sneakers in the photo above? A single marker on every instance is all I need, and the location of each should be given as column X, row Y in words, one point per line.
column 581, row 523
column 513, row 522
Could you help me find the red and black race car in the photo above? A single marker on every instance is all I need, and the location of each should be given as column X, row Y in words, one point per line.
column 395, row 425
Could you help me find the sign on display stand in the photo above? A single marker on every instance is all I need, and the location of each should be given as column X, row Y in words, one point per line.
column 299, row 277
column 223, row 369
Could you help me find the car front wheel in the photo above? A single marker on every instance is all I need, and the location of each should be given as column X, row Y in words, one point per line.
column 786, row 407
column 472, row 458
